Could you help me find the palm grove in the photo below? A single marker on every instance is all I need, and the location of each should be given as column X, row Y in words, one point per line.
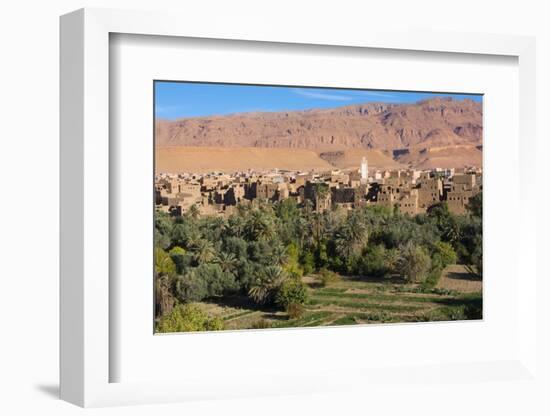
column 263, row 251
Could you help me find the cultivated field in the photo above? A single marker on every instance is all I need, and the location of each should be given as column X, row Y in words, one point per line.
column 362, row 301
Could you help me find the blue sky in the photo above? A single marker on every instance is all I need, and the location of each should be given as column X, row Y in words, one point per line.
column 184, row 99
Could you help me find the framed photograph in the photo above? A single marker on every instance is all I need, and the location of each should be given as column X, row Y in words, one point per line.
column 294, row 207
column 281, row 213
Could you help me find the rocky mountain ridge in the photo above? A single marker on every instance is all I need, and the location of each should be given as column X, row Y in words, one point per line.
column 435, row 122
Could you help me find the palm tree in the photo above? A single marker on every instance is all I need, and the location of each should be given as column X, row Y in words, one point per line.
column 351, row 238
column 260, row 226
column 216, row 228
column 204, row 251
column 452, row 232
column 343, row 243
column 264, row 287
column 318, row 227
column 193, row 212
column 274, row 274
column 359, row 230
column 227, row 262
column 236, row 226
column 308, row 208
column 333, row 219
column 192, row 239
column 279, row 254
column 304, row 232
column 320, row 191
column 164, row 299
column 242, row 209
column 218, row 223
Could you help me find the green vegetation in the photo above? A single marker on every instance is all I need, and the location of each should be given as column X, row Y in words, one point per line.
column 295, row 310
column 291, row 292
column 281, row 265
column 328, row 277
column 414, row 262
column 187, row 318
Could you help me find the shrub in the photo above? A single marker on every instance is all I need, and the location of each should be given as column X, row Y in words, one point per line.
column 236, row 246
column 321, row 255
column 291, row 292
column 181, row 259
column 295, row 311
column 163, row 263
column 162, row 240
column 476, row 259
column 443, row 253
column 190, row 287
column 261, row 324
column 374, row 261
column 247, row 274
column 292, row 264
column 391, row 260
column 308, row 262
column 414, row 262
column 217, row 282
column 202, row 282
column 215, row 324
column 471, row 308
column 473, row 312
column 327, row 277
column 454, row 313
column 475, row 205
column 432, row 279
column 261, row 252
column 188, row 318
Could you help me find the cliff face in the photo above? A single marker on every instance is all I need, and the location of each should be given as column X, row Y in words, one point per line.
column 431, row 123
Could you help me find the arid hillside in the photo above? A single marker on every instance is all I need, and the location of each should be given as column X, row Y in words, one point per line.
column 350, row 159
column 442, row 157
column 230, row 159
column 199, row 159
column 402, row 133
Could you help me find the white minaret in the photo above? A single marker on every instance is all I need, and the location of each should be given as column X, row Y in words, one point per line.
column 364, row 170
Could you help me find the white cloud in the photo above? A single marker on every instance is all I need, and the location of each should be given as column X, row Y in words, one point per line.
column 167, row 108
column 321, row 95
column 331, row 96
column 376, row 94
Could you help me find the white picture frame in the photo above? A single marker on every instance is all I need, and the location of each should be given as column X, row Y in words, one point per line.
column 86, row 334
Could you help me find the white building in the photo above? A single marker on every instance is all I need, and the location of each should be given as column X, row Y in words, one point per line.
column 364, row 171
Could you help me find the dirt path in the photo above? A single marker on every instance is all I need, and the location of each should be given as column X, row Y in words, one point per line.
column 456, row 277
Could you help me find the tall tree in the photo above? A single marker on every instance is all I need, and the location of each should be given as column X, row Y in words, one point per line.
column 263, row 288
column 414, row 262
column 193, row 212
column 351, row 237
column 227, row 261
column 321, row 192
column 475, row 205
column 260, row 225
column 203, row 251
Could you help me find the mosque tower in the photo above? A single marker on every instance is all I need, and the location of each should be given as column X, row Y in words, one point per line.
column 364, row 170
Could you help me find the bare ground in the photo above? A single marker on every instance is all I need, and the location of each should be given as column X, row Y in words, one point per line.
column 456, row 277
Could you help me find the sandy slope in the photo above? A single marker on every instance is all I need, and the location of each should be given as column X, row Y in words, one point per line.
column 227, row 159
column 351, row 158
column 444, row 157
